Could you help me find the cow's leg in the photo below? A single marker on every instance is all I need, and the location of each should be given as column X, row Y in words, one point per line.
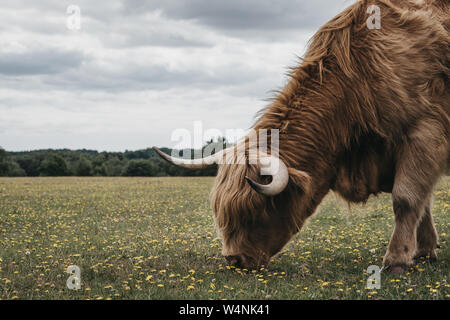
column 402, row 245
column 419, row 163
column 427, row 238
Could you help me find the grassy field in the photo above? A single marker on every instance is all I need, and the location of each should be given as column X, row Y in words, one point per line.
column 154, row 238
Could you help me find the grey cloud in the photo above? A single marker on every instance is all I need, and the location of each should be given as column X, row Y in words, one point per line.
column 143, row 34
column 39, row 62
column 245, row 15
column 151, row 77
column 144, row 61
column 143, row 38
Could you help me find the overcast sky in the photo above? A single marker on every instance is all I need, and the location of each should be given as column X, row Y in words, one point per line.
column 136, row 71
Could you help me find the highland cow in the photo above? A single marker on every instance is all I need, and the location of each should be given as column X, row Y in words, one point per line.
column 366, row 111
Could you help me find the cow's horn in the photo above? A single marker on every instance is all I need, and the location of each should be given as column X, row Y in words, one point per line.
column 280, row 177
column 195, row 164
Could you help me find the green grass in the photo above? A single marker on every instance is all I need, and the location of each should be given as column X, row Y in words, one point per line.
column 154, row 238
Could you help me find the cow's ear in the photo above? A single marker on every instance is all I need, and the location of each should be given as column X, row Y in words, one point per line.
column 301, row 179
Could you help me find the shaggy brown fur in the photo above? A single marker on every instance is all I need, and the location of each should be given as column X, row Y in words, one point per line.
column 366, row 111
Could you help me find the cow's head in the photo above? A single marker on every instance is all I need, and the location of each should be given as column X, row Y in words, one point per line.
column 257, row 207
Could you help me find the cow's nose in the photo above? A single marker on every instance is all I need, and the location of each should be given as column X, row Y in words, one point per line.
column 235, row 260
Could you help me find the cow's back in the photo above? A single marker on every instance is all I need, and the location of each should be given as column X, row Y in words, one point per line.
column 411, row 59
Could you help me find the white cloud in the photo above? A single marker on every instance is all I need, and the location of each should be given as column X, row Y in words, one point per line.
column 133, row 74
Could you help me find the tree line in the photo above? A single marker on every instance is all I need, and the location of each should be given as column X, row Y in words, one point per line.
column 85, row 163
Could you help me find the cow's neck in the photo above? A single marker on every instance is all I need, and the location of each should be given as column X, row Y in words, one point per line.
column 310, row 137
column 313, row 131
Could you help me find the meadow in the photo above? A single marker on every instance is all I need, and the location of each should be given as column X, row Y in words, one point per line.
column 154, row 238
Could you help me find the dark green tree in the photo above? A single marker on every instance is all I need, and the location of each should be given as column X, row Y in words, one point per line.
column 14, row 170
column 30, row 163
column 8, row 167
column 98, row 164
column 83, row 167
column 100, row 170
column 115, row 166
column 140, row 168
column 54, row 165
column 3, row 163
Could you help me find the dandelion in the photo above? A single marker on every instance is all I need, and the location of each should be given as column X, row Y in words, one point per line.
column 142, row 216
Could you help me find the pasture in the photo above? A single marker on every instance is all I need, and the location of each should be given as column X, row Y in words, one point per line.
column 154, row 238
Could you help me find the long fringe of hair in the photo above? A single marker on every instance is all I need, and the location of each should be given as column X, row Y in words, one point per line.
column 352, row 81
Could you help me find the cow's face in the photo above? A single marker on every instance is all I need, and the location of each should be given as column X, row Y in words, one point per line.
column 253, row 226
column 255, row 219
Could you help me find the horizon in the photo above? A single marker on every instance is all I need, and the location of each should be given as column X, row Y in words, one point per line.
column 84, row 149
